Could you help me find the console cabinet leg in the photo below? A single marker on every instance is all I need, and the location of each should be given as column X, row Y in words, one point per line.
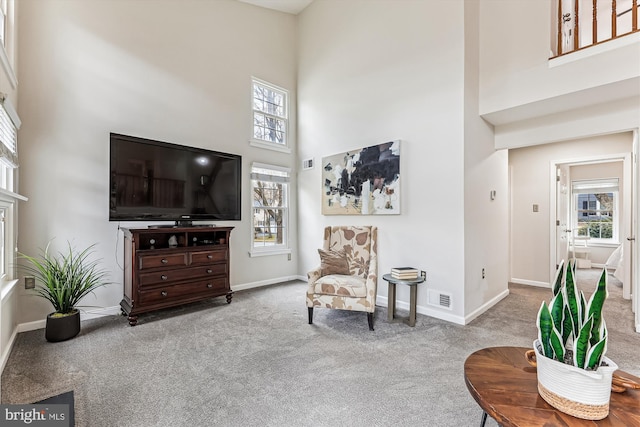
column 229, row 296
column 133, row 320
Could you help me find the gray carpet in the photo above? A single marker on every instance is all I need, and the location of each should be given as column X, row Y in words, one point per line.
column 256, row 362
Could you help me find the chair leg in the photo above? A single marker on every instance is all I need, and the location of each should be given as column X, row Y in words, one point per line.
column 310, row 315
column 370, row 320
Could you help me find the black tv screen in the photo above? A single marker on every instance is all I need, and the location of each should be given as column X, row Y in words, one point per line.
column 153, row 180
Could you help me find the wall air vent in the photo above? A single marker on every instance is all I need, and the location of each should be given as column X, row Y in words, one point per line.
column 307, row 164
column 439, row 299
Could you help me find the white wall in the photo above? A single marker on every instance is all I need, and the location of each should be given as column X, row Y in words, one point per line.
column 177, row 71
column 371, row 72
column 486, row 219
column 530, row 184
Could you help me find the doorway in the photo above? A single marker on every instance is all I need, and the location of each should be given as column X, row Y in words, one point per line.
column 593, row 194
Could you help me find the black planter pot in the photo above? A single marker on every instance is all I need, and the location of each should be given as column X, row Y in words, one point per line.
column 62, row 328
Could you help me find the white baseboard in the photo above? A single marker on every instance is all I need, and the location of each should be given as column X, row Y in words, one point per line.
column 7, row 351
column 530, row 283
column 486, row 306
column 84, row 315
column 427, row 311
column 262, row 283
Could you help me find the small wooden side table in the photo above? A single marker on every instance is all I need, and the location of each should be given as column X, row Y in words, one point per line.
column 391, row 300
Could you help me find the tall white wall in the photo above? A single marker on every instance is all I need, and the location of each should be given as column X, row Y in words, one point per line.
column 176, row 71
column 531, row 184
column 374, row 71
column 486, row 218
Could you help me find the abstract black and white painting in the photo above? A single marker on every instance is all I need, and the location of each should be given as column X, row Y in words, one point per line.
column 364, row 181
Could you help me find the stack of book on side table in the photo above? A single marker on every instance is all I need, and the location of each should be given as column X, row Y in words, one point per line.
column 404, row 273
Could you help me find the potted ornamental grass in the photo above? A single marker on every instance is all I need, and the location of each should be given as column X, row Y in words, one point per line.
column 64, row 279
column 574, row 375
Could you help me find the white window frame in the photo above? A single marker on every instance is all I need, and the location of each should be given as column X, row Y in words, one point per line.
column 595, row 186
column 275, row 249
column 264, row 143
column 8, row 278
column 9, row 25
column 9, row 125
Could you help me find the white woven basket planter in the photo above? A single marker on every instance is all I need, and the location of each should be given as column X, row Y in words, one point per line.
column 574, row 391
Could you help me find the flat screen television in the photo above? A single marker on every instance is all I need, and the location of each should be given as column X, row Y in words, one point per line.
column 160, row 181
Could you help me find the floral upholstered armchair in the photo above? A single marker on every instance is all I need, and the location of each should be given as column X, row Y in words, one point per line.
column 347, row 278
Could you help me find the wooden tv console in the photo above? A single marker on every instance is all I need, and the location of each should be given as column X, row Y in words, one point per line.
column 165, row 267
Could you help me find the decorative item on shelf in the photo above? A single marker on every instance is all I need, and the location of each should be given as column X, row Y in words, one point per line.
column 64, row 279
column 407, row 273
column 173, row 241
column 152, row 243
column 574, row 376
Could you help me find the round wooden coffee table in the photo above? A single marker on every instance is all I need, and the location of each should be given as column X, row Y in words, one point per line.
column 506, row 387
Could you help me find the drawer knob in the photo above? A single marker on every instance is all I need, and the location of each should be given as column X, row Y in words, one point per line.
column 209, row 271
column 164, row 277
column 164, row 261
column 209, row 285
column 164, row 293
column 210, row 256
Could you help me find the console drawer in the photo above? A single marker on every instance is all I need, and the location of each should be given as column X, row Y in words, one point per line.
column 162, row 260
column 175, row 292
column 168, row 276
column 208, row 257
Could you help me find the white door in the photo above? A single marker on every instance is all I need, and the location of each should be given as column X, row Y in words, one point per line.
column 563, row 230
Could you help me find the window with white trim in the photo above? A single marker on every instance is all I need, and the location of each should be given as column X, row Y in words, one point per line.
column 9, row 124
column 270, row 208
column 270, row 114
column 595, row 209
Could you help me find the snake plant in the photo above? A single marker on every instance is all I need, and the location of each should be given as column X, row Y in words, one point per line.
column 571, row 329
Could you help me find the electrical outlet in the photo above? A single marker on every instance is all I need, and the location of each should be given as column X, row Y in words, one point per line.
column 29, row 282
column 483, row 275
column 535, row 207
column 288, row 257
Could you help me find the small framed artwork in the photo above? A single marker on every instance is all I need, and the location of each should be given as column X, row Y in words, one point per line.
column 365, row 181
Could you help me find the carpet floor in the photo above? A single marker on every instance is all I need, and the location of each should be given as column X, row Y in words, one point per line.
column 256, row 362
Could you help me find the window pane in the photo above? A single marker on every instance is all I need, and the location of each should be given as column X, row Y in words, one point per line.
column 595, row 215
column 270, row 113
column 269, row 206
column 267, row 194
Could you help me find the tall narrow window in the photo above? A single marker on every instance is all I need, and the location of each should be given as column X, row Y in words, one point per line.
column 270, row 113
column 9, row 124
column 596, row 209
column 270, row 208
